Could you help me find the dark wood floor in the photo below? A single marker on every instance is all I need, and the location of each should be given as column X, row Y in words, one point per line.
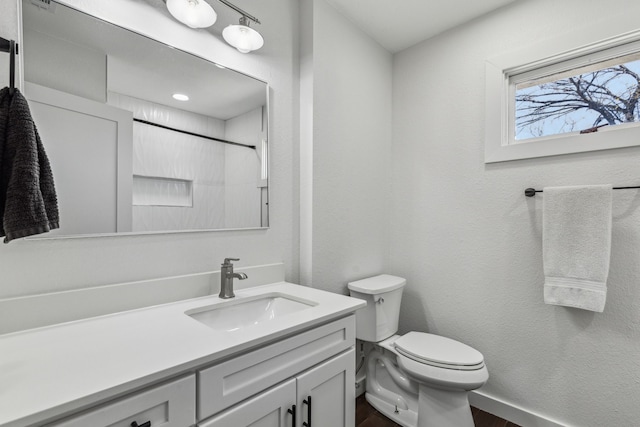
column 367, row 416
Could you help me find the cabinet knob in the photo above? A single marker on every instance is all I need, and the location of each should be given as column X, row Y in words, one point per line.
column 307, row 402
column 135, row 424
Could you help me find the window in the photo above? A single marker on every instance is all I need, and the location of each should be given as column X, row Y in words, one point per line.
column 580, row 100
column 583, row 100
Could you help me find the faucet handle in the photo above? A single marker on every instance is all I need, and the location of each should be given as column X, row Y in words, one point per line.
column 227, row 261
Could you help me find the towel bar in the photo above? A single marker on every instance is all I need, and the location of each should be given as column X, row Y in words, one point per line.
column 530, row 192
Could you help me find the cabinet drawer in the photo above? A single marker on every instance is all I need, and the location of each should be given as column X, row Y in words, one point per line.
column 168, row 405
column 235, row 380
column 269, row 408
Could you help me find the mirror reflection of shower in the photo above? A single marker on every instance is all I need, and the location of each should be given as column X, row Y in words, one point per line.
column 130, row 155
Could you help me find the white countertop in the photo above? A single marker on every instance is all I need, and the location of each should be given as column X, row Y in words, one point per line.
column 49, row 371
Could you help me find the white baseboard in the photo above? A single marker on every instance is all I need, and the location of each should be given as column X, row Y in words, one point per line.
column 510, row 412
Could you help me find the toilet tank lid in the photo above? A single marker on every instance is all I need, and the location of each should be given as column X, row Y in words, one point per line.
column 377, row 284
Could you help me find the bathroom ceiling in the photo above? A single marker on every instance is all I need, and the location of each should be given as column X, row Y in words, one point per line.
column 399, row 24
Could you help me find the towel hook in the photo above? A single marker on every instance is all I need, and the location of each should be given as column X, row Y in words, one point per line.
column 11, row 47
column 12, row 66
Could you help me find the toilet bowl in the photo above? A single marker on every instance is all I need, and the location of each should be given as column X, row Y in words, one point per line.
column 417, row 379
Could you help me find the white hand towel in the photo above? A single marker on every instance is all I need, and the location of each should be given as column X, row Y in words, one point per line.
column 576, row 242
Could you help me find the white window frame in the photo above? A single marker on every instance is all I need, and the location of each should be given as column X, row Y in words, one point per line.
column 502, row 74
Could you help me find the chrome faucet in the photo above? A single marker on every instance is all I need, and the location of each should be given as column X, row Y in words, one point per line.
column 226, row 278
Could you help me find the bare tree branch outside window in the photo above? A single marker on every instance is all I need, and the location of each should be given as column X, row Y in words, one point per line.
column 609, row 96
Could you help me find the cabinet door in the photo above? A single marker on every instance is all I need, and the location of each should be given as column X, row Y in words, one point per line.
column 327, row 393
column 268, row 409
column 89, row 145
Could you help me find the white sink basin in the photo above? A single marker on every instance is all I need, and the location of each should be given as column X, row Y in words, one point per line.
column 242, row 313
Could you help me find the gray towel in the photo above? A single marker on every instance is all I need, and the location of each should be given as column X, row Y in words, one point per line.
column 28, row 202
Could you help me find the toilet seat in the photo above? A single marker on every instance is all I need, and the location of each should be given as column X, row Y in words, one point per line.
column 439, row 352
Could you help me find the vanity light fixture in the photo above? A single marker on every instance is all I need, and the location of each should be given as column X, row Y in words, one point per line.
column 180, row 97
column 192, row 13
column 199, row 14
column 241, row 36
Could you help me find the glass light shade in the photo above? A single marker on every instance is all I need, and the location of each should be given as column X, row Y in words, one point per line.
column 192, row 13
column 243, row 38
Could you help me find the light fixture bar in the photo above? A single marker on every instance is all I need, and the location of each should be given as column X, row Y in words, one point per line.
column 240, row 11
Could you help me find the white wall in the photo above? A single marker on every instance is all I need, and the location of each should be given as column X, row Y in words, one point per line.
column 469, row 242
column 31, row 267
column 63, row 59
column 346, row 88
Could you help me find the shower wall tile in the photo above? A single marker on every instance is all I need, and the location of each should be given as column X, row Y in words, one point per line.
column 225, row 177
column 164, row 153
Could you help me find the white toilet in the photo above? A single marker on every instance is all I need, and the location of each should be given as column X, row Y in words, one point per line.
column 417, row 379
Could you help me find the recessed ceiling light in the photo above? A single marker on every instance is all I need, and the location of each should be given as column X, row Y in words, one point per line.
column 180, row 97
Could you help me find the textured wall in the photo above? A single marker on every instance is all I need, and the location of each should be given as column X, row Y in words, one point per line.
column 351, row 146
column 469, row 242
column 30, row 267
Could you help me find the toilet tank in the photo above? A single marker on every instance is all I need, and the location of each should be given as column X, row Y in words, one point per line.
column 383, row 294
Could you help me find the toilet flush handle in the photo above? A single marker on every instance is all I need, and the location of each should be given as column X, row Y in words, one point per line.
column 380, row 300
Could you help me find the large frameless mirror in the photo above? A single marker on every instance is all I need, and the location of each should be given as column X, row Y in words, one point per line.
column 142, row 137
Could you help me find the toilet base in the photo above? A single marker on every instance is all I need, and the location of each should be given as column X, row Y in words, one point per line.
column 406, row 418
column 413, row 402
column 439, row 408
column 443, row 408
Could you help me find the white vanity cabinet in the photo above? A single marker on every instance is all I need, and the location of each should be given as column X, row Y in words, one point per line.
column 321, row 396
column 168, row 405
column 307, row 377
column 192, row 373
column 317, row 367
